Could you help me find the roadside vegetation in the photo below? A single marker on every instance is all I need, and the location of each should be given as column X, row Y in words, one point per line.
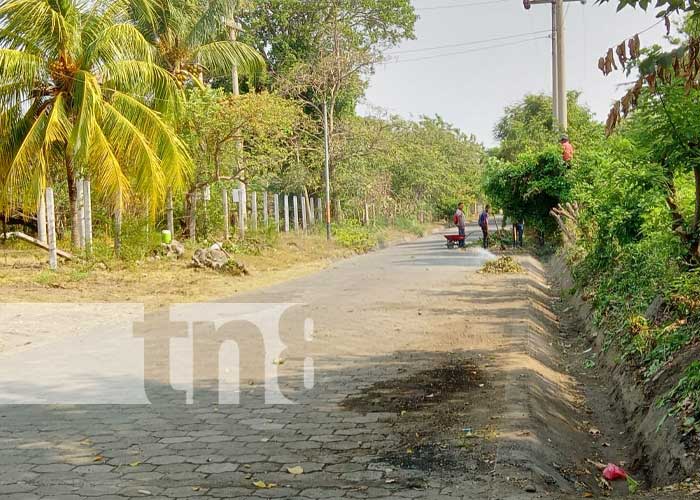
column 625, row 212
column 138, row 97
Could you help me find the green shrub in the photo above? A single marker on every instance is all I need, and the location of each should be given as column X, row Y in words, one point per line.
column 352, row 234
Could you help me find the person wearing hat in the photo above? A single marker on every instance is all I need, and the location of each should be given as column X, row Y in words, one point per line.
column 567, row 149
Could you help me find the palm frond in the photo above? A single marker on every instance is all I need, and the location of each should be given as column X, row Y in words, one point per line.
column 147, row 80
column 218, row 58
column 176, row 162
column 110, row 178
column 211, row 22
column 86, row 96
column 31, row 143
column 130, row 144
column 117, row 42
column 27, row 157
column 19, row 71
column 37, row 22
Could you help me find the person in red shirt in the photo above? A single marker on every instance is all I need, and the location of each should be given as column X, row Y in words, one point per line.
column 567, row 149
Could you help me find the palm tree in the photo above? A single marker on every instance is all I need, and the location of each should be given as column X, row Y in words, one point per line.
column 79, row 88
column 190, row 38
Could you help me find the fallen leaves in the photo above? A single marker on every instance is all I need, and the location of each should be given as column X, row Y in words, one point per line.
column 263, row 485
column 502, row 265
column 295, row 471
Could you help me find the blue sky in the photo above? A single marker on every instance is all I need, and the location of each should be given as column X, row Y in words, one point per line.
column 469, row 85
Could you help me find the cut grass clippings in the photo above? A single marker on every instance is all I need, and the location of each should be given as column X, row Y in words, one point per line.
column 502, row 265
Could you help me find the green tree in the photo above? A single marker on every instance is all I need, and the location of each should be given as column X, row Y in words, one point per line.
column 78, row 84
column 215, row 123
column 190, row 37
column 529, row 188
column 291, row 31
column 407, row 168
column 529, row 126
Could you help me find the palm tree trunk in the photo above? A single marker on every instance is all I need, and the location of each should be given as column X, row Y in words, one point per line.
column 73, row 199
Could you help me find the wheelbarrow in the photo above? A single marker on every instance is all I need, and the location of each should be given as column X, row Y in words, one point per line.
column 453, row 239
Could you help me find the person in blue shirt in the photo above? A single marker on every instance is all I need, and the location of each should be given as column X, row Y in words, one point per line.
column 484, row 224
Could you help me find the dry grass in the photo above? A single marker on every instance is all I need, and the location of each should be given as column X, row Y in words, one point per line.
column 24, row 276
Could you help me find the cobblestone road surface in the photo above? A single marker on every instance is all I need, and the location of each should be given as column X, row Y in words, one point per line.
column 375, row 317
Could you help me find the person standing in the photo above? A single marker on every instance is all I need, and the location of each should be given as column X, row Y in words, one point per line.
column 461, row 223
column 519, row 230
column 484, row 224
column 567, row 149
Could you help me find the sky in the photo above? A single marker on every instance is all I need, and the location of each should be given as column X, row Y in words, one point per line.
column 470, row 85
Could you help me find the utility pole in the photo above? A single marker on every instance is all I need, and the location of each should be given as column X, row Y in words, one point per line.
column 561, row 68
column 559, row 104
column 555, row 76
column 327, row 170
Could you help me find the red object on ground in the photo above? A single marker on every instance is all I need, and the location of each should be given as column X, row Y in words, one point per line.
column 612, row 472
column 453, row 239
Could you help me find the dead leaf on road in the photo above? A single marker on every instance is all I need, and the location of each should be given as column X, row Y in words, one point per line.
column 295, row 470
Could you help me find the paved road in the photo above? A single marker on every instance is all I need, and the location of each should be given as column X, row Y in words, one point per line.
column 376, row 317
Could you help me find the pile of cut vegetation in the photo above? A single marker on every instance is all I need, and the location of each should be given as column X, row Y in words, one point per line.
column 502, row 265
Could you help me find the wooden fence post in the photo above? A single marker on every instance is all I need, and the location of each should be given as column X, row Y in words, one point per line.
column 169, row 213
column 311, row 211
column 265, row 209
column 79, row 188
column 41, row 218
column 51, row 223
column 88, row 216
column 276, row 203
column 224, row 201
column 286, row 213
column 296, row 213
column 319, row 210
column 303, row 213
column 254, row 210
column 193, row 215
column 241, row 214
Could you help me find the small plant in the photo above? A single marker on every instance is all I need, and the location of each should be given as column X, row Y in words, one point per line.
column 684, row 398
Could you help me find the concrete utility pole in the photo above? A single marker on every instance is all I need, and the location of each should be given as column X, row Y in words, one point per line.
column 555, row 75
column 559, row 104
column 562, row 110
column 326, row 170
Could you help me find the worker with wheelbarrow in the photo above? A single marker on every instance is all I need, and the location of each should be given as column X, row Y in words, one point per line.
column 460, row 221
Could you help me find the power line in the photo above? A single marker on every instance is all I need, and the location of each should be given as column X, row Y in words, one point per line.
column 474, row 42
column 460, row 5
column 479, row 49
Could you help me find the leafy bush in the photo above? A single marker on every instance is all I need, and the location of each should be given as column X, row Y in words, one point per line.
column 352, row 234
column 254, row 243
column 529, row 188
column 409, row 225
